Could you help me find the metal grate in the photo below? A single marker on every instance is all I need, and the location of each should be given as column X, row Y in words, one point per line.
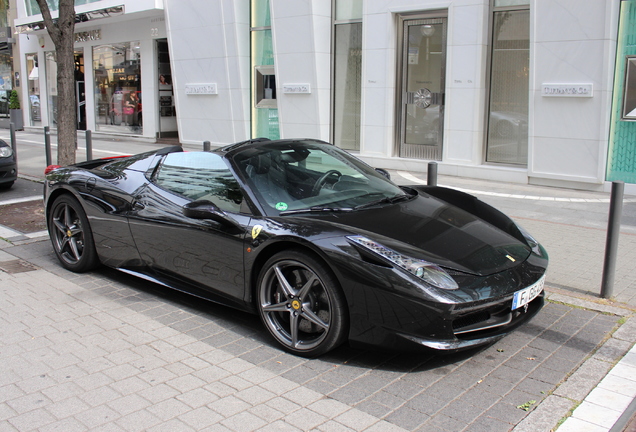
column 16, row 266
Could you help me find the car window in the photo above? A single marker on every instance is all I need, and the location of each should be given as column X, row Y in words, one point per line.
column 200, row 176
column 304, row 174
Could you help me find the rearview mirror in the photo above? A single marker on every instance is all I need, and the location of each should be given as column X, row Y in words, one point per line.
column 384, row 172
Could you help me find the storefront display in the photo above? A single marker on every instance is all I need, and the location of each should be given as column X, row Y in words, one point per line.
column 117, row 72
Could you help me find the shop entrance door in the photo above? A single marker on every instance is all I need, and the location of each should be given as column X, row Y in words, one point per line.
column 80, row 89
column 422, row 87
column 167, row 114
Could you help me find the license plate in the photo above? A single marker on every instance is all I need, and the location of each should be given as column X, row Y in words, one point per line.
column 526, row 295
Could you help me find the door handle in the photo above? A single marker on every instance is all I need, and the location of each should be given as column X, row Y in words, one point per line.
column 423, row 98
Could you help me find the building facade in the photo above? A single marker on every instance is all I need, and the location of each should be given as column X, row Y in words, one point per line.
column 512, row 90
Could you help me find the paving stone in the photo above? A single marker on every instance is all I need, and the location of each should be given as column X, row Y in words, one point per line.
column 545, row 416
column 583, row 380
column 443, row 422
column 374, row 408
column 244, row 422
column 305, row 419
column 407, row 418
column 201, row 418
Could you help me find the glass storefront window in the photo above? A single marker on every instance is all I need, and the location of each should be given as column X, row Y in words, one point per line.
column 347, row 85
column 51, row 86
column 504, row 3
column 32, row 7
column 117, row 70
column 509, row 87
column 260, row 15
column 5, row 82
column 348, row 10
column 33, row 78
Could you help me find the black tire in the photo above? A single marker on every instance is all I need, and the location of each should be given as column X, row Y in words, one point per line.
column 301, row 304
column 6, row 185
column 71, row 235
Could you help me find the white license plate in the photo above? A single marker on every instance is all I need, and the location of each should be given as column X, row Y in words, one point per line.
column 526, row 295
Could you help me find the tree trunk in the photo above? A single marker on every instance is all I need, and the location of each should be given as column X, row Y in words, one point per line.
column 66, row 105
column 62, row 33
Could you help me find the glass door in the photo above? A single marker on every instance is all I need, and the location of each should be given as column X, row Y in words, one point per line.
column 421, row 93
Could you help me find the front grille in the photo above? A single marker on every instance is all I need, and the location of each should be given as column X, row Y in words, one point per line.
column 470, row 320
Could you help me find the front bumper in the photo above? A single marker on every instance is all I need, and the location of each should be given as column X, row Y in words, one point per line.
column 8, row 170
column 389, row 309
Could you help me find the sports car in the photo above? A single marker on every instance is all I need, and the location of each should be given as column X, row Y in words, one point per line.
column 323, row 247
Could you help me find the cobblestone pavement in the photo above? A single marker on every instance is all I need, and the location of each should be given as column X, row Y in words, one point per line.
column 105, row 351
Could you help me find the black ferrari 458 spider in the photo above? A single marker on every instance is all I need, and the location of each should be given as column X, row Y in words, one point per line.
column 324, row 248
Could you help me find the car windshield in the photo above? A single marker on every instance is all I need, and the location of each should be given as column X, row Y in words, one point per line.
column 295, row 176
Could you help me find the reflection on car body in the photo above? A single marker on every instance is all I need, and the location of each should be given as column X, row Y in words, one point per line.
column 323, row 247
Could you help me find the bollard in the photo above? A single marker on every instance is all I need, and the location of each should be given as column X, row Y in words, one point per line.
column 14, row 144
column 206, row 145
column 432, row 174
column 611, row 245
column 89, row 145
column 47, row 145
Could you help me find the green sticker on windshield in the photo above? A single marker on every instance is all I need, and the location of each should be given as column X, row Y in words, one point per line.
column 281, row 206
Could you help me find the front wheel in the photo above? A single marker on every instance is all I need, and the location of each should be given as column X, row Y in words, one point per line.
column 71, row 235
column 301, row 304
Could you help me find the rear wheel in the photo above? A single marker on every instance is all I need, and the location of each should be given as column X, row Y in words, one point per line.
column 71, row 235
column 301, row 304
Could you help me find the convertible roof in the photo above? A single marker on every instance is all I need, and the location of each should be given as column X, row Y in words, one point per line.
column 256, row 141
column 171, row 149
column 241, row 144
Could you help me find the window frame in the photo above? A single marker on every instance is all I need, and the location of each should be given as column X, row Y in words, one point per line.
column 494, row 8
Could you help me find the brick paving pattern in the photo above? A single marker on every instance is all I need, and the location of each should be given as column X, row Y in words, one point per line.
column 105, row 351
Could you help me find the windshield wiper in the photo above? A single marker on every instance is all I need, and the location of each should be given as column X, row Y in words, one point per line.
column 316, row 209
column 385, row 200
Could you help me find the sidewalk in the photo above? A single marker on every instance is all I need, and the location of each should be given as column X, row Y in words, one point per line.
column 104, row 351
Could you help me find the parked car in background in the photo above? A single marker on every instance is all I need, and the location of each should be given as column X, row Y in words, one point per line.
column 8, row 166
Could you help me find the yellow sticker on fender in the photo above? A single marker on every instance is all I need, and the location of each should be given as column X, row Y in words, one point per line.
column 256, row 230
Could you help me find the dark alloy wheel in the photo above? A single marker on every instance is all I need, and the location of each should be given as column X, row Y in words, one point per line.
column 71, row 236
column 301, row 304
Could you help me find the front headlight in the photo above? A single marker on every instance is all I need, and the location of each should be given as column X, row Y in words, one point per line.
column 532, row 242
column 428, row 272
column 5, row 151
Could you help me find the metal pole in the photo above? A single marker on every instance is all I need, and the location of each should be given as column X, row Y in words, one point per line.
column 89, row 145
column 14, row 145
column 432, row 174
column 206, row 145
column 611, row 246
column 47, row 145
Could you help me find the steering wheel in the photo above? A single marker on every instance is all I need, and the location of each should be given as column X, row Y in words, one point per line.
column 323, row 179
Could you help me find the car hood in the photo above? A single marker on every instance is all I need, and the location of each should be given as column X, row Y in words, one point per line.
column 431, row 229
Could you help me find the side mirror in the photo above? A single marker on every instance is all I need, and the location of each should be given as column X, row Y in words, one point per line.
column 384, row 172
column 204, row 209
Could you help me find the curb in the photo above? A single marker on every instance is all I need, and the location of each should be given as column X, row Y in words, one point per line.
column 559, row 409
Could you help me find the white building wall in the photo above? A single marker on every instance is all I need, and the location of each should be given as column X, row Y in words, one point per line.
column 302, row 47
column 209, row 43
column 574, row 42
column 571, row 41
